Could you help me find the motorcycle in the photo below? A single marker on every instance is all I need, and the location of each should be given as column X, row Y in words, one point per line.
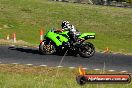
column 60, row 42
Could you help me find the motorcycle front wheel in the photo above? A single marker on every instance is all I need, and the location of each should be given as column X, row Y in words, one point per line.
column 46, row 48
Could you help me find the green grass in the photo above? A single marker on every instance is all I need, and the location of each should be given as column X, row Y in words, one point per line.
column 113, row 26
column 21, row 76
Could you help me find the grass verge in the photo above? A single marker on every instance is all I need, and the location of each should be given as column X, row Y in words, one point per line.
column 17, row 43
column 22, row 76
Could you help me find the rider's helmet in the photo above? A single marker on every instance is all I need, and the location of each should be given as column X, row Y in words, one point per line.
column 66, row 25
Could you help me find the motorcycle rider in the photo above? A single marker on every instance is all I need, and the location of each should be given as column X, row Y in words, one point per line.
column 73, row 32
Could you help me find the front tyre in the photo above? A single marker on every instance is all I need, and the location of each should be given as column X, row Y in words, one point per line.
column 46, row 48
column 86, row 50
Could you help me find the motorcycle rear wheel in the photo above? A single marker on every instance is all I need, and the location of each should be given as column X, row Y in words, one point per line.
column 86, row 50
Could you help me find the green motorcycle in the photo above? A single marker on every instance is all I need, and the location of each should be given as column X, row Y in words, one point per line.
column 60, row 42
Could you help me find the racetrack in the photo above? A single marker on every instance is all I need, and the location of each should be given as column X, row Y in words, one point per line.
column 31, row 56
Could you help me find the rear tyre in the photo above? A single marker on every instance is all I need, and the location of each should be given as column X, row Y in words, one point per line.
column 46, row 48
column 86, row 50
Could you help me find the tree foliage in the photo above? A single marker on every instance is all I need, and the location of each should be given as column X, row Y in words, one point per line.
column 129, row 1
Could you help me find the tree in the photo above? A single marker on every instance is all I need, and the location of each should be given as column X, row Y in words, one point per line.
column 129, row 1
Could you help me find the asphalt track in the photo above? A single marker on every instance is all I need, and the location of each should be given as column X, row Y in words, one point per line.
column 31, row 56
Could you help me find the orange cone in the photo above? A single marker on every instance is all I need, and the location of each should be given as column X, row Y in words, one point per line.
column 106, row 50
column 14, row 37
column 41, row 35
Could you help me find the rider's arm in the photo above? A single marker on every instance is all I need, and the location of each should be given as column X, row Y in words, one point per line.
column 60, row 30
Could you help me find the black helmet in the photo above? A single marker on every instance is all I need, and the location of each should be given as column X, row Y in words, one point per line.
column 65, row 24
